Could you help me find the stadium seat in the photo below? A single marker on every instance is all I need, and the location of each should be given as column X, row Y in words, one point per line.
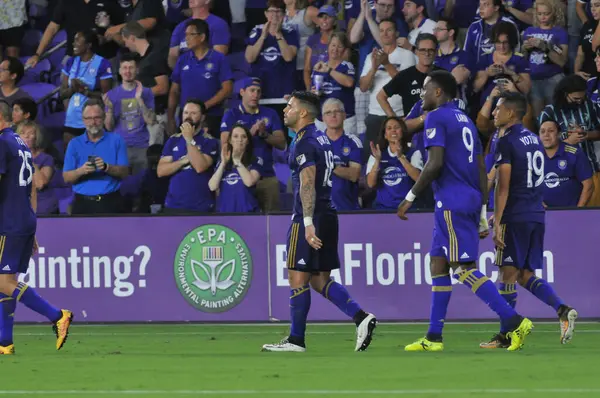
column 38, row 74
column 238, row 63
column 65, row 197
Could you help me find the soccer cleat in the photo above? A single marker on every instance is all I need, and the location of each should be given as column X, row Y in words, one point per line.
column 498, row 341
column 364, row 332
column 425, row 345
column 8, row 350
column 517, row 336
column 283, row 346
column 61, row 328
column 567, row 325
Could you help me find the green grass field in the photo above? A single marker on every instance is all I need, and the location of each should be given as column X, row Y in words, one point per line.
column 225, row 361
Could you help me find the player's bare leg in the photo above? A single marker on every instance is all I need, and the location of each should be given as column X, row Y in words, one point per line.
column 299, row 307
column 339, row 296
column 61, row 319
column 543, row 291
column 441, row 293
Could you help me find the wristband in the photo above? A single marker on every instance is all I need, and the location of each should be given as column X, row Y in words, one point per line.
column 308, row 221
column 484, row 212
column 105, row 167
column 410, row 196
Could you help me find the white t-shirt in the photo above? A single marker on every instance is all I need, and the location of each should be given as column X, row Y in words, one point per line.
column 427, row 26
column 416, row 160
column 401, row 59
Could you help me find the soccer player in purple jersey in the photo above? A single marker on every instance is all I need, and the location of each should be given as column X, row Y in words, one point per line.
column 455, row 168
column 310, row 260
column 519, row 216
column 17, row 237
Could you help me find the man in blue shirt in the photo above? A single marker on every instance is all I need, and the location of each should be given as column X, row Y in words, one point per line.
column 201, row 73
column 267, row 132
column 519, row 214
column 456, row 169
column 95, row 163
column 189, row 158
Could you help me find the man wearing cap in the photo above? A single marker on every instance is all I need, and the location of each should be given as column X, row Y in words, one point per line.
column 414, row 14
column 267, row 132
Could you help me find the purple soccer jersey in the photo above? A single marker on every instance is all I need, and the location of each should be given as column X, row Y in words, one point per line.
column 332, row 89
column 217, row 27
column 234, row 196
column 47, row 202
column 344, row 193
column 564, row 173
column 541, row 66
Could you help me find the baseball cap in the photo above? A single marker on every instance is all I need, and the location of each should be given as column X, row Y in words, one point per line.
column 329, row 10
column 251, row 81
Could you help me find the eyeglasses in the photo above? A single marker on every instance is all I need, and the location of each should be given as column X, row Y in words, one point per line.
column 439, row 29
column 428, row 51
column 277, row 11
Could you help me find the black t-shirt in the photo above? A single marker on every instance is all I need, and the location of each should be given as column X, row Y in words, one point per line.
column 76, row 16
column 150, row 9
column 151, row 65
column 585, row 41
column 407, row 84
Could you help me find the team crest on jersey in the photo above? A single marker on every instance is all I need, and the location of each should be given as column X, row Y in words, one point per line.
column 210, row 66
column 562, row 164
column 454, row 60
column 266, row 120
column 346, row 150
column 430, row 133
column 301, row 159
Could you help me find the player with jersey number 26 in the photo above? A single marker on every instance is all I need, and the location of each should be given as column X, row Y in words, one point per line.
column 456, row 169
column 312, row 244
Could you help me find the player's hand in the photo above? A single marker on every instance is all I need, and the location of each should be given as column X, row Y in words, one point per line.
column 498, row 241
column 484, row 226
column 100, row 163
column 36, row 245
column 311, row 237
column 403, row 208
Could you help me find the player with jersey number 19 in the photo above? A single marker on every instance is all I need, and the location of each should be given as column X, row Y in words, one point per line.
column 455, row 167
column 17, row 237
column 311, row 259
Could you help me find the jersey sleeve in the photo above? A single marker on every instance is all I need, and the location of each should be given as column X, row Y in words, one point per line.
column 254, row 35
column 355, row 150
column 583, row 168
column 228, row 121
column 435, row 130
column 105, row 71
column 176, row 36
column 367, row 66
column 3, row 157
column 168, row 148
column 305, row 154
column 503, row 152
column 394, row 86
column 225, row 73
column 220, row 34
column 370, row 164
column 70, row 160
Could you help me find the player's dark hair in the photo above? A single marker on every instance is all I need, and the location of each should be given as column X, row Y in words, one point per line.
column 450, row 25
column 392, row 21
column 515, row 101
column 5, row 111
column 247, row 157
column 508, row 29
column 135, row 29
column 444, row 80
column 201, row 28
column 129, row 57
column 384, row 144
column 198, row 102
column 27, row 105
column 15, row 67
column 425, row 36
column 90, row 38
column 309, row 101
column 569, row 84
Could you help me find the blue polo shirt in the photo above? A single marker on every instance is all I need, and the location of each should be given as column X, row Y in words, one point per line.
column 201, row 78
column 111, row 148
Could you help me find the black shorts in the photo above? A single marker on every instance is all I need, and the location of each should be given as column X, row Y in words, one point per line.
column 12, row 37
column 75, row 132
column 302, row 257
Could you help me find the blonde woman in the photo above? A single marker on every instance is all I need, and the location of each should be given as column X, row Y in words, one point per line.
column 546, row 44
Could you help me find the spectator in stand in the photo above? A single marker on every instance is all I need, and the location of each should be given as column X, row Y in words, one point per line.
column 393, row 167
column 23, row 109
column 188, row 159
column 380, row 68
column 85, row 74
column 12, row 26
column 347, row 155
column 414, row 15
column 177, row 12
column 578, row 121
column 219, row 36
column 201, row 73
column 546, row 44
column 130, row 111
column 272, row 50
column 303, row 19
column 237, row 173
column 503, row 64
column 593, row 84
column 95, row 163
column 267, row 133
column 335, row 79
column 584, row 62
column 153, row 72
column 44, row 166
column 317, row 44
column 11, row 73
column 463, row 13
column 409, row 82
column 79, row 15
column 479, row 41
column 568, row 181
column 520, row 11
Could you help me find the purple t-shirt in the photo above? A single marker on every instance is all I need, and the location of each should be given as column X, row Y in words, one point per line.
column 201, row 78
column 47, row 203
column 318, row 49
column 332, row 89
column 219, row 34
column 129, row 117
column 234, row 195
column 541, row 67
column 518, row 63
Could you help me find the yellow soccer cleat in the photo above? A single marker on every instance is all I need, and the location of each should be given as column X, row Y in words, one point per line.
column 8, row 350
column 61, row 328
column 425, row 345
column 517, row 336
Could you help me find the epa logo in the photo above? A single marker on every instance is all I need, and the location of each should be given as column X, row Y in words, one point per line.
column 213, row 268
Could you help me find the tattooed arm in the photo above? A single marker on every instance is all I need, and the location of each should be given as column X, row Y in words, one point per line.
column 308, row 193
